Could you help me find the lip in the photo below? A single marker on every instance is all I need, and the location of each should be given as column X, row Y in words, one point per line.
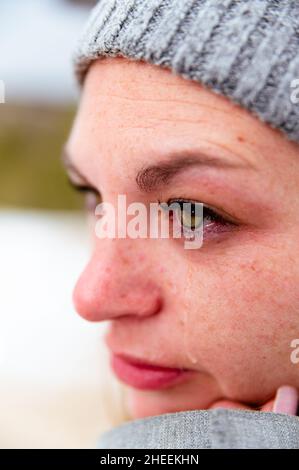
column 145, row 376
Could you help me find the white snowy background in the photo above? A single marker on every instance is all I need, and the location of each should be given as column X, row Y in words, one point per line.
column 53, row 366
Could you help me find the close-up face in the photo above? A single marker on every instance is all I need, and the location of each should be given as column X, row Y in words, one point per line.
column 188, row 327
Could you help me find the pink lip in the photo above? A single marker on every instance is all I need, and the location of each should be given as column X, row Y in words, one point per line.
column 145, row 376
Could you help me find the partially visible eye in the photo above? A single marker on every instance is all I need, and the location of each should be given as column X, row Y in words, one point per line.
column 91, row 196
column 92, row 199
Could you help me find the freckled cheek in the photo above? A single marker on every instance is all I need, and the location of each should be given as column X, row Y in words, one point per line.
column 237, row 325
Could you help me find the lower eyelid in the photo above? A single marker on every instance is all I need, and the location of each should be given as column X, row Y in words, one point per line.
column 211, row 230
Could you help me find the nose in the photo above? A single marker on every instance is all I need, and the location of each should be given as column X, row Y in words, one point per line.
column 116, row 282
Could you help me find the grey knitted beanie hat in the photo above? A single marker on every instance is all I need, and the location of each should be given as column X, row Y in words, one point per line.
column 247, row 50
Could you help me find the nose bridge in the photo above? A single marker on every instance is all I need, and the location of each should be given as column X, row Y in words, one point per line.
column 117, row 281
column 120, row 261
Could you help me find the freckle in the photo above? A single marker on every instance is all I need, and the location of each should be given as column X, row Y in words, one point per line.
column 240, row 138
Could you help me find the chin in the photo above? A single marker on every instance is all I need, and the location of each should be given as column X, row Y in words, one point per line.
column 143, row 403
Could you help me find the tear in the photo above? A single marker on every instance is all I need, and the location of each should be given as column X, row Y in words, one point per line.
column 186, row 322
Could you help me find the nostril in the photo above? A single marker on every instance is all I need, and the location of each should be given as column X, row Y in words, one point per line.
column 149, row 307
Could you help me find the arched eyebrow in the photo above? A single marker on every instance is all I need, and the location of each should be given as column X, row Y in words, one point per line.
column 155, row 176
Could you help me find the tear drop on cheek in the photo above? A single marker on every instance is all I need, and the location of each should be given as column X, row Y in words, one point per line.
column 185, row 320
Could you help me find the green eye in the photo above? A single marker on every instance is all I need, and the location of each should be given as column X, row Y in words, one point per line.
column 188, row 213
column 191, row 216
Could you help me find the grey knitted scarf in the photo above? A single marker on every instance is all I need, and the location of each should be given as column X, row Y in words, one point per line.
column 206, row 429
column 247, row 50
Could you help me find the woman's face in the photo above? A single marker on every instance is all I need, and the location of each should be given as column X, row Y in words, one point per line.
column 225, row 313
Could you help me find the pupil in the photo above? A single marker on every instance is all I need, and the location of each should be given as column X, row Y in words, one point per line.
column 189, row 215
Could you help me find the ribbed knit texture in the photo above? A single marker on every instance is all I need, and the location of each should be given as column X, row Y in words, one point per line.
column 247, row 50
column 206, row 429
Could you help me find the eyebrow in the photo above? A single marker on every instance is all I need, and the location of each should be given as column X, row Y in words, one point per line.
column 155, row 176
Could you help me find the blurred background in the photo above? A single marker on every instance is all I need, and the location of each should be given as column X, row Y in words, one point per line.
column 55, row 383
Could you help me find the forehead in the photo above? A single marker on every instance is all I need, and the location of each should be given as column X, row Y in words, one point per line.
column 131, row 111
column 145, row 93
column 137, row 105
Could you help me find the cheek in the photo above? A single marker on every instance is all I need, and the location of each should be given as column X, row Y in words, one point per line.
column 240, row 320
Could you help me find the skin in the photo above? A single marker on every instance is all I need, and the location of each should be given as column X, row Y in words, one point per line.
column 227, row 311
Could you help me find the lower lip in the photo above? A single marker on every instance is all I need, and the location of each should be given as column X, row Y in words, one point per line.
column 146, row 377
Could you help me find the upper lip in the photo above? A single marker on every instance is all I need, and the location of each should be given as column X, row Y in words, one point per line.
column 112, row 348
column 146, row 364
